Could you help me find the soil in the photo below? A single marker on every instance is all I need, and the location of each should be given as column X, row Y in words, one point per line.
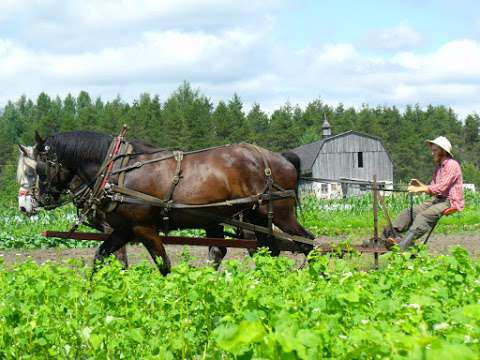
column 438, row 244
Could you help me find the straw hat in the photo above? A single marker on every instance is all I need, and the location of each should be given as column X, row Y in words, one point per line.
column 443, row 143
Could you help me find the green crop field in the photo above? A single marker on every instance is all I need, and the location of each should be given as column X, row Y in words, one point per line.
column 262, row 308
column 422, row 308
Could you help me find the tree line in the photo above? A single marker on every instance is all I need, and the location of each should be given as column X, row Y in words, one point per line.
column 188, row 120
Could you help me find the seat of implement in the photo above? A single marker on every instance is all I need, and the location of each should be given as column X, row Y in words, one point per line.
column 446, row 212
column 449, row 211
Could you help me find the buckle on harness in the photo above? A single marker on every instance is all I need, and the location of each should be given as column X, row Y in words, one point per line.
column 268, row 172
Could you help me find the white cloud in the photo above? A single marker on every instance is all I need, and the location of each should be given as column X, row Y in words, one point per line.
column 223, row 54
column 165, row 57
column 401, row 37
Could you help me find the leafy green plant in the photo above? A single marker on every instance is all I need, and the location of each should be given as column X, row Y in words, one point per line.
column 421, row 308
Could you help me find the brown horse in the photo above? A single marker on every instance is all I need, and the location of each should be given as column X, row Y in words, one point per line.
column 213, row 175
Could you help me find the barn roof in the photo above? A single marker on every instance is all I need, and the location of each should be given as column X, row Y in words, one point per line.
column 308, row 153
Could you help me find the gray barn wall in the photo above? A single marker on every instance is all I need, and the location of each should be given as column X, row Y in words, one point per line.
column 338, row 158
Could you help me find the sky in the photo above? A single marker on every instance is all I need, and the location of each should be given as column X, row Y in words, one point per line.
column 388, row 52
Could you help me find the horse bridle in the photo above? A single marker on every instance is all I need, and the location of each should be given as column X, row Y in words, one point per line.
column 52, row 171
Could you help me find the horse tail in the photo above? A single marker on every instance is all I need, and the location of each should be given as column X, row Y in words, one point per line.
column 294, row 159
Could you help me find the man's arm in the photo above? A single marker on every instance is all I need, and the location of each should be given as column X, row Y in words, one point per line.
column 416, row 186
column 452, row 174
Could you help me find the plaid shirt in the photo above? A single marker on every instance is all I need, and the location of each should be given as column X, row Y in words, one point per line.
column 447, row 183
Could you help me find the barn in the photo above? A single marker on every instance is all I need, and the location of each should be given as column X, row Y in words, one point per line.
column 345, row 163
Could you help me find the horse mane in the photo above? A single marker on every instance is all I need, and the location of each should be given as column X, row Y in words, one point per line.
column 20, row 168
column 22, row 164
column 75, row 147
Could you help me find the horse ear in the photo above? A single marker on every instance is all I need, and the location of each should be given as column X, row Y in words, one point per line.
column 38, row 138
column 23, row 149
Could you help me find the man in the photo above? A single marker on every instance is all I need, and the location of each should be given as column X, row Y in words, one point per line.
column 446, row 189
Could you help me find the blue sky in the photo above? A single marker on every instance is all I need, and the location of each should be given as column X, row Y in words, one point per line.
column 354, row 52
column 347, row 21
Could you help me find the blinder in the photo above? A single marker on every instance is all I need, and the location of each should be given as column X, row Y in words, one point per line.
column 49, row 171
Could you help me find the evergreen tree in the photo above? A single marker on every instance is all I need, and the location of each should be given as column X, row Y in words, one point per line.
column 472, row 129
column 236, row 118
column 221, row 124
column 112, row 116
column 8, row 132
column 68, row 122
column 86, row 116
column 257, row 123
column 282, row 134
column 187, row 121
column 45, row 120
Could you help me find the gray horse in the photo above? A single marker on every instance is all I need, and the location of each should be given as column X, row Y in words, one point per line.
column 27, row 203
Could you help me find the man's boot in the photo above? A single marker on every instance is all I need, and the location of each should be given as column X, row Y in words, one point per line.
column 407, row 240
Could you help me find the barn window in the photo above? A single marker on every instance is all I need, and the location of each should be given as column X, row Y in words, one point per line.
column 324, row 189
column 360, row 159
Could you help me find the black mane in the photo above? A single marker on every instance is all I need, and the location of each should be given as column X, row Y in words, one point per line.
column 75, row 147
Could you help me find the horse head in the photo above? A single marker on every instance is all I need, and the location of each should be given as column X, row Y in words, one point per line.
column 53, row 178
column 26, row 178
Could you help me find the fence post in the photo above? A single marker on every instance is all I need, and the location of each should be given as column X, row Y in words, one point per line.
column 375, row 219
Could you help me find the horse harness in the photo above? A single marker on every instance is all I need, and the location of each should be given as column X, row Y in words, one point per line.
column 101, row 196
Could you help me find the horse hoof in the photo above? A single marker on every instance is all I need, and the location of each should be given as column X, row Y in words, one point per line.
column 165, row 271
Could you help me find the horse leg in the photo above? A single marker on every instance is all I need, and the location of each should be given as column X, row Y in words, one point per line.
column 286, row 220
column 117, row 240
column 249, row 235
column 260, row 218
column 154, row 244
column 216, row 253
column 121, row 255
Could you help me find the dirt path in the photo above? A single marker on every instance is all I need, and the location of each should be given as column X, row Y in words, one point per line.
column 438, row 244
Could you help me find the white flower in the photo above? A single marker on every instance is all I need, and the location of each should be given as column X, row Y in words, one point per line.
column 228, row 276
column 440, row 326
column 364, row 321
column 414, row 306
column 86, row 332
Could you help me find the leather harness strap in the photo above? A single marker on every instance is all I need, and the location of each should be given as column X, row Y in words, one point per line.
column 139, row 164
column 176, row 178
column 130, row 196
column 116, row 162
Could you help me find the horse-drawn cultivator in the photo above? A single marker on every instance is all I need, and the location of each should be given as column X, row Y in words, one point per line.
column 285, row 242
column 243, row 188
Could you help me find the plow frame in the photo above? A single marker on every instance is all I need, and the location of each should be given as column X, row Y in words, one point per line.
column 286, row 242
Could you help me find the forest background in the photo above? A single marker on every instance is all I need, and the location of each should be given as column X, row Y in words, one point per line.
column 188, row 120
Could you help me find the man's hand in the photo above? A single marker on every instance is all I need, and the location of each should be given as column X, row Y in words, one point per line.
column 416, row 186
